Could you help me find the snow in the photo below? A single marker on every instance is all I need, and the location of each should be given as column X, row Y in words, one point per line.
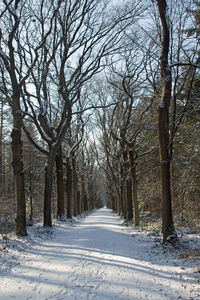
column 162, row 103
column 5, row 59
column 2, row 54
column 94, row 257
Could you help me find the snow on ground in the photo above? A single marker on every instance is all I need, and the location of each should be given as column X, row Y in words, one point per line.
column 94, row 258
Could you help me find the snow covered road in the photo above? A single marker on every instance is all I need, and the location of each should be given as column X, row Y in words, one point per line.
column 97, row 258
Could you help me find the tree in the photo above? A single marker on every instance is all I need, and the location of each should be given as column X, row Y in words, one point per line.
column 60, row 185
column 182, row 60
column 1, row 151
column 168, row 230
column 79, row 38
column 12, row 15
column 34, row 163
column 72, row 143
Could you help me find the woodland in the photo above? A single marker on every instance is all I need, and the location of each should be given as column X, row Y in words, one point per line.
column 100, row 106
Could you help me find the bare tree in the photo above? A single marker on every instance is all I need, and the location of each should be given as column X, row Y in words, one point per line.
column 80, row 40
column 163, row 127
column 178, row 61
column 13, row 45
column 1, row 151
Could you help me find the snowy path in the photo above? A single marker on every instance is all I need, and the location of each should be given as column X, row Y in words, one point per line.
column 97, row 259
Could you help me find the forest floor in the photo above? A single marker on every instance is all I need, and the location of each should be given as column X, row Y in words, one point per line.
column 96, row 257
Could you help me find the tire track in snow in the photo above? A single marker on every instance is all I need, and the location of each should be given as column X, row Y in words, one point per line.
column 98, row 259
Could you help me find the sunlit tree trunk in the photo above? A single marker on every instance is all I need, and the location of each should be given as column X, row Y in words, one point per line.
column 83, row 195
column 69, row 188
column 118, row 191
column 128, row 190
column 60, row 185
column 14, row 75
column 48, row 187
column 1, row 155
column 18, row 166
column 163, row 128
column 134, row 188
column 116, row 200
column 115, row 188
column 122, row 185
column 79, row 206
column 74, row 184
column 30, row 186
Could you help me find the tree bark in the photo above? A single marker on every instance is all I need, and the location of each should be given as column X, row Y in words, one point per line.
column 163, row 128
column 116, row 203
column 48, row 187
column 60, row 185
column 83, row 195
column 119, row 193
column 134, row 188
column 128, row 196
column 79, row 206
column 69, row 189
column 31, row 192
column 74, row 184
column 122, row 198
column 1, row 155
column 115, row 188
column 18, row 167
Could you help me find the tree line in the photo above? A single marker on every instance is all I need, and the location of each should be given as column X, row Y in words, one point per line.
column 101, row 101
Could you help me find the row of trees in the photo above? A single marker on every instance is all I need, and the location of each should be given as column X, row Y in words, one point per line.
column 74, row 189
column 96, row 134
column 132, row 124
column 49, row 51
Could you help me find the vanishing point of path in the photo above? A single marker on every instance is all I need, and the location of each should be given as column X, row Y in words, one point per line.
column 97, row 259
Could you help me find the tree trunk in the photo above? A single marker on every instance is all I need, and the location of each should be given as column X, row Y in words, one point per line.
column 129, row 215
column 31, row 196
column 10, row 175
column 16, row 144
column 166, row 209
column 128, row 193
column 83, row 195
column 115, row 204
column 1, row 156
column 134, row 188
column 74, row 184
column 113, row 201
column 118, row 189
column 18, row 168
column 48, row 188
column 122, row 198
column 30, row 174
column 79, row 206
column 60, row 185
column 85, row 202
column 69, row 189
column 113, row 188
column 163, row 129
